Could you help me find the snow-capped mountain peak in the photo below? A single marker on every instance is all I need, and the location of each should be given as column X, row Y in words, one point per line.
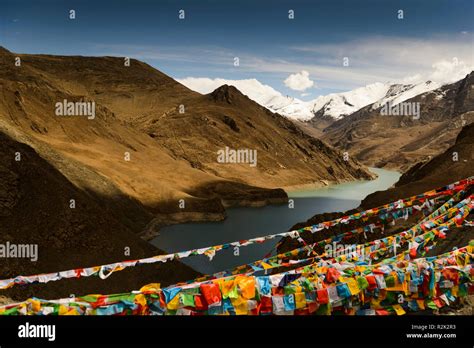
column 333, row 106
column 337, row 105
column 398, row 93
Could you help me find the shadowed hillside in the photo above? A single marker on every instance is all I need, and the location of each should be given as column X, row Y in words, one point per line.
column 35, row 209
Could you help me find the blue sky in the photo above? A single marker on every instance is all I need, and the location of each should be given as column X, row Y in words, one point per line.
column 270, row 47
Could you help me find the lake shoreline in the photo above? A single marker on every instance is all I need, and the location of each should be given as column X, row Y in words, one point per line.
column 250, row 222
column 161, row 221
column 181, row 218
column 321, row 184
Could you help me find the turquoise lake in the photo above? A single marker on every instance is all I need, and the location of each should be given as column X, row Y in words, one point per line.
column 245, row 223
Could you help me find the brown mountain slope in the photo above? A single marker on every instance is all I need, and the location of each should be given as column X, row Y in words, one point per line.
column 130, row 92
column 454, row 164
column 401, row 141
column 90, row 153
column 226, row 117
column 150, row 100
column 173, row 155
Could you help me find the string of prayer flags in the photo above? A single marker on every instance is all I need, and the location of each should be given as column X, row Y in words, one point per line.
column 431, row 227
column 359, row 290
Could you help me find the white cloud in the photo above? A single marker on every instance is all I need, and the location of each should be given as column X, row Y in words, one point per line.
column 372, row 59
column 299, row 81
column 450, row 71
column 443, row 71
column 395, row 59
column 204, row 85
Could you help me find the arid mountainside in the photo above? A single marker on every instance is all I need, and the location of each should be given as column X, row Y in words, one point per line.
column 401, row 141
column 156, row 141
column 454, row 164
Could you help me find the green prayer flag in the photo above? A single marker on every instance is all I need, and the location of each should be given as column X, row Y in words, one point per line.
column 362, row 282
column 390, row 281
column 233, row 293
column 324, row 309
column 187, row 299
column 390, row 297
column 432, row 305
column 90, row 298
column 462, row 290
column 10, row 311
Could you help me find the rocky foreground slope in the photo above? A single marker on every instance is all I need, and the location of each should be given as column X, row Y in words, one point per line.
column 35, row 210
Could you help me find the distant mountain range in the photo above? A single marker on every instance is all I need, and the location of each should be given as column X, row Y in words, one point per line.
column 353, row 121
column 333, row 106
column 400, row 141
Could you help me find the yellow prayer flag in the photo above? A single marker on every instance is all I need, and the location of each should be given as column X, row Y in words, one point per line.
column 398, row 309
column 240, row 305
column 265, row 265
column 237, row 301
column 173, row 304
column 153, row 287
column 226, row 287
column 298, row 288
column 141, row 299
column 300, row 300
column 35, row 305
column 247, row 286
column 62, row 310
column 353, row 286
column 375, row 303
column 72, row 311
column 241, row 309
